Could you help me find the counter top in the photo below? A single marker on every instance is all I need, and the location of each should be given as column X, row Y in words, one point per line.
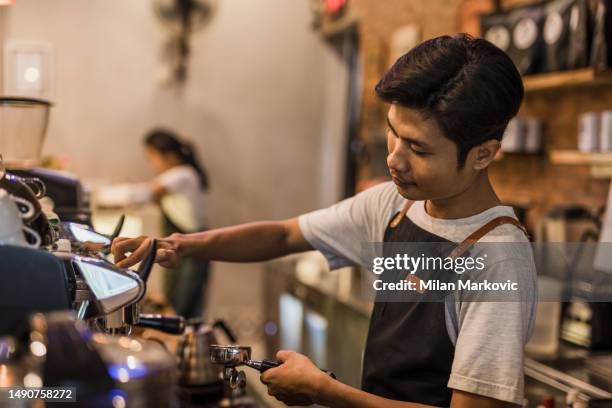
column 349, row 287
column 352, row 299
column 569, row 370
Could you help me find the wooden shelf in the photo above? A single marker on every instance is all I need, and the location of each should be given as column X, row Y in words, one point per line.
column 584, row 77
column 600, row 163
column 500, row 155
column 575, row 157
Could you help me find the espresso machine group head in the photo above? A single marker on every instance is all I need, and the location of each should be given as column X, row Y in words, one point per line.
column 107, row 296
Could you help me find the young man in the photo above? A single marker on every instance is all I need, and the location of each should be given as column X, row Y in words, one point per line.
column 451, row 99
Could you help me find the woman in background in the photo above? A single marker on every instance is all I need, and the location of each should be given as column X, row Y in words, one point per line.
column 180, row 189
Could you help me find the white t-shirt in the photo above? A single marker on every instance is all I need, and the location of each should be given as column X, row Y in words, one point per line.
column 185, row 203
column 489, row 337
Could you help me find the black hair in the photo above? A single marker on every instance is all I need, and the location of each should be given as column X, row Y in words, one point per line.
column 168, row 142
column 467, row 85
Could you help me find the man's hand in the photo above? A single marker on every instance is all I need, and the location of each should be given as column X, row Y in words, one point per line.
column 130, row 251
column 296, row 381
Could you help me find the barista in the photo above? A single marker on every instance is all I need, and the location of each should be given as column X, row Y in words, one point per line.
column 450, row 101
column 180, row 189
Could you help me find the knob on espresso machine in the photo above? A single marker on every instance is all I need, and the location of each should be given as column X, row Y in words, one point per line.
column 144, row 270
column 121, row 320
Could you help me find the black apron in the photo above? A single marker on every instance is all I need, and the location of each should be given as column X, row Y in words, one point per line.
column 185, row 286
column 408, row 353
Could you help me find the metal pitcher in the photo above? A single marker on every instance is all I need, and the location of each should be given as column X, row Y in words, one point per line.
column 195, row 367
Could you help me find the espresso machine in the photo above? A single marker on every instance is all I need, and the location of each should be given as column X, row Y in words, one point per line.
column 88, row 304
column 60, row 289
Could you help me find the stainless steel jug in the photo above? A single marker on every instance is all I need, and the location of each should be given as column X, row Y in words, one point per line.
column 195, row 367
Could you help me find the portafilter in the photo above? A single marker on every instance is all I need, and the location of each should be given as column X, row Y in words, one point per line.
column 234, row 355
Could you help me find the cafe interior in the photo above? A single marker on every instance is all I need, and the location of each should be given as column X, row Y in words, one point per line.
column 275, row 101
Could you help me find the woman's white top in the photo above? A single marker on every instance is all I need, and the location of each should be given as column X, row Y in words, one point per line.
column 185, row 201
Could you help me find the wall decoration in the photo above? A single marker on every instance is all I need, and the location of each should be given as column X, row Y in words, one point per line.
column 326, row 11
column 180, row 19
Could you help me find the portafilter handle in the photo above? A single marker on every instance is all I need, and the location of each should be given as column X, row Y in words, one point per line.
column 166, row 324
column 264, row 365
column 144, row 270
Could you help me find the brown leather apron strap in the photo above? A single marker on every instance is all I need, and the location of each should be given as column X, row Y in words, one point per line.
column 400, row 216
column 473, row 237
column 482, row 231
column 467, row 243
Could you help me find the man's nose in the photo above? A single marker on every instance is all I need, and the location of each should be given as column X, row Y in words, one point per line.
column 397, row 160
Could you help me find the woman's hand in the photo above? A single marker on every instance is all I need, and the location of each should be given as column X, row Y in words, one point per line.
column 295, row 382
column 130, row 251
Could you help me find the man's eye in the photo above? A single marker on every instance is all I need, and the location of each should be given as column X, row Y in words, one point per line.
column 418, row 152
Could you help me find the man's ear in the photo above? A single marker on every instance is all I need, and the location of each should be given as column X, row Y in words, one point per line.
column 484, row 153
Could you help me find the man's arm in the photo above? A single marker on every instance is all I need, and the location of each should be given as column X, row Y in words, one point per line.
column 299, row 382
column 252, row 242
column 333, row 231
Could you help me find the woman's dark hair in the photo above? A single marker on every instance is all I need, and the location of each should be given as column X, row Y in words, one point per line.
column 467, row 85
column 168, row 142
